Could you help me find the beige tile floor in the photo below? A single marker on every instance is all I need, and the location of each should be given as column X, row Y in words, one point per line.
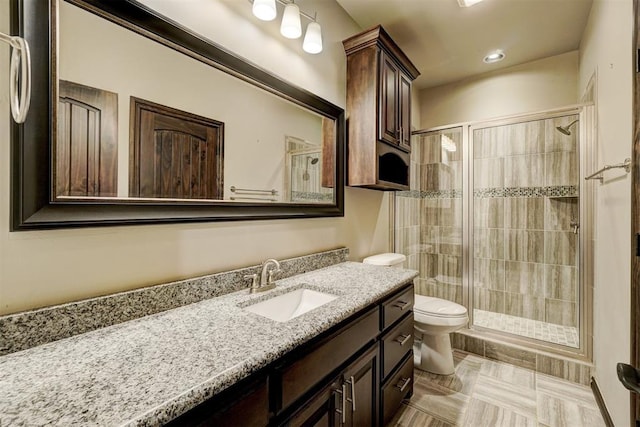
column 488, row 393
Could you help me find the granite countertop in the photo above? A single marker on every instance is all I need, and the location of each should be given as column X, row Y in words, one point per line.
column 150, row 370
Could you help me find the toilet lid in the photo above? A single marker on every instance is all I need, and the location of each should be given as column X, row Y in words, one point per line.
column 438, row 307
column 385, row 259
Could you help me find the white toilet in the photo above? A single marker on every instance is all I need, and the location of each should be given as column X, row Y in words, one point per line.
column 434, row 320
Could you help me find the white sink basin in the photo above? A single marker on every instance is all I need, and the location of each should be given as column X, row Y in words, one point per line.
column 292, row 304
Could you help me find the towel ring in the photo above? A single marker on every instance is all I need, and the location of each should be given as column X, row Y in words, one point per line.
column 19, row 77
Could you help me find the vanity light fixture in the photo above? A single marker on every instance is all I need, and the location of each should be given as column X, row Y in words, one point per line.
column 313, row 38
column 290, row 26
column 495, row 56
column 264, row 10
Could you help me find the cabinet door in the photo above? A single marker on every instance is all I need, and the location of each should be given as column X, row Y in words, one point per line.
column 388, row 128
column 404, row 111
column 361, row 391
column 320, row 410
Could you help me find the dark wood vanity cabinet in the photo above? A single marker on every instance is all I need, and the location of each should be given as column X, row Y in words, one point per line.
column 356, row 374
column 379, row 79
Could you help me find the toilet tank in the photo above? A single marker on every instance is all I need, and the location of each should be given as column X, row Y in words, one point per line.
column 388, row 260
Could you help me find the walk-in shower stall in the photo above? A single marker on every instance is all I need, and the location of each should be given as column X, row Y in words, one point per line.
column 498, row 219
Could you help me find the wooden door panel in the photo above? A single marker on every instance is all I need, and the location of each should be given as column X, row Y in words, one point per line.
column 175, row 154
column 86, row 147
column 404, row 109
column 388, row 123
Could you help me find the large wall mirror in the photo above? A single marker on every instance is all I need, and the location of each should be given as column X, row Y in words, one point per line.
column 136, row 119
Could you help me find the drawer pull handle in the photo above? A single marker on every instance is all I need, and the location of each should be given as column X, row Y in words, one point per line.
column 402, row 339
column 403, row 383
column 352, row 383
column 343, row 410
column 402, row 304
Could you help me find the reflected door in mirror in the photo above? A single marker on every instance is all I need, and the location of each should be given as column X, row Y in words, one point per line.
column 175, row 154
column 87, row 144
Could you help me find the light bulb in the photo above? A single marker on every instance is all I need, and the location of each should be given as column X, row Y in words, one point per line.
column 264, row 10
column 313, row 38
column 290, row 27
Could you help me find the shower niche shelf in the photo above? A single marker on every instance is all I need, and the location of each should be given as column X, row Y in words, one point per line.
column 379, row 79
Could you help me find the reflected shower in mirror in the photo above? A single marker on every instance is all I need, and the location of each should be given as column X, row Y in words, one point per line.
column 137, row 119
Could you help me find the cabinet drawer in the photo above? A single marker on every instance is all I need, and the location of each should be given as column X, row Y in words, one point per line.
column 398, row 387
column 396, row 307
column 396, row 343
column 299, row 376
column 248, row 406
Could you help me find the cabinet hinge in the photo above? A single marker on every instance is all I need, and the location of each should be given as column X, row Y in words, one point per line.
column 637, row 244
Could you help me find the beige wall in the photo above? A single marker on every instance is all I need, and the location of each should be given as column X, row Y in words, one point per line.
column 47, row 267
column 606, row 50
column 538, row 85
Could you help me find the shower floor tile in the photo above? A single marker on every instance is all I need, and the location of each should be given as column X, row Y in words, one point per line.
column 549, row 332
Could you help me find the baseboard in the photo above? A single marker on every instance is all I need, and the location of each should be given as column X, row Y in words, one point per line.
column 600, row 401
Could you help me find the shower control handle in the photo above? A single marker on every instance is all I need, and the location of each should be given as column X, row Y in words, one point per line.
column 575, row 225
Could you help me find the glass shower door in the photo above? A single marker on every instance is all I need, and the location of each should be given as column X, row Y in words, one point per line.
column 525, row 221
column 429, row 220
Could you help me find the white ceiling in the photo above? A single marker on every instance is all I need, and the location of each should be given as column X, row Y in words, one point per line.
column 447, row 43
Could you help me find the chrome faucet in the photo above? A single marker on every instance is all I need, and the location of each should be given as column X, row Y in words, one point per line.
column 266, row 277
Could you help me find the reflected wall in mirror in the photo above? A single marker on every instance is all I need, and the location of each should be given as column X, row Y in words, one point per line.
column 74, row 159
column 94, row 52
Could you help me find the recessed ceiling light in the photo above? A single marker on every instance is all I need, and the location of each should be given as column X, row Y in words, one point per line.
column 468, row 3
column 495, row 56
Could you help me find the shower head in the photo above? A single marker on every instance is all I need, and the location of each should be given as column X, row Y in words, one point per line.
column 565, row 129
column 305, row 175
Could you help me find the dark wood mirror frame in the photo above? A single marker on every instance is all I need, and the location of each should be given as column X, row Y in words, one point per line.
column 31, row 164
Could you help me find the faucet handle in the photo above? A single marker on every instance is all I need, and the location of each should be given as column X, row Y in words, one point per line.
column 254, row 280
column 270, row 275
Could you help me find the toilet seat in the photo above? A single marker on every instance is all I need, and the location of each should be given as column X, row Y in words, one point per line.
column 438, row 307
column 438, row 312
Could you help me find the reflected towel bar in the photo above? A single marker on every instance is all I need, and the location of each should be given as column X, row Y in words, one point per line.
column 268, row 199
column 236, row 190
column 626, row 165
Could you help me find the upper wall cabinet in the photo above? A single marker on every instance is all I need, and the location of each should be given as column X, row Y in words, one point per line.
column 379, row 77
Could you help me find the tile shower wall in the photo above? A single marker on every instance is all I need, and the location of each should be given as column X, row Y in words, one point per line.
column 525, row 183
column 306, row 179
column 429, row 216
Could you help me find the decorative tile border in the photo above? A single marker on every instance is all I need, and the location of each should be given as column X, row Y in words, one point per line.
column 555, row 191
column 482, row 193
column 305, row 195
column 32, row 328
column 434, row 194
